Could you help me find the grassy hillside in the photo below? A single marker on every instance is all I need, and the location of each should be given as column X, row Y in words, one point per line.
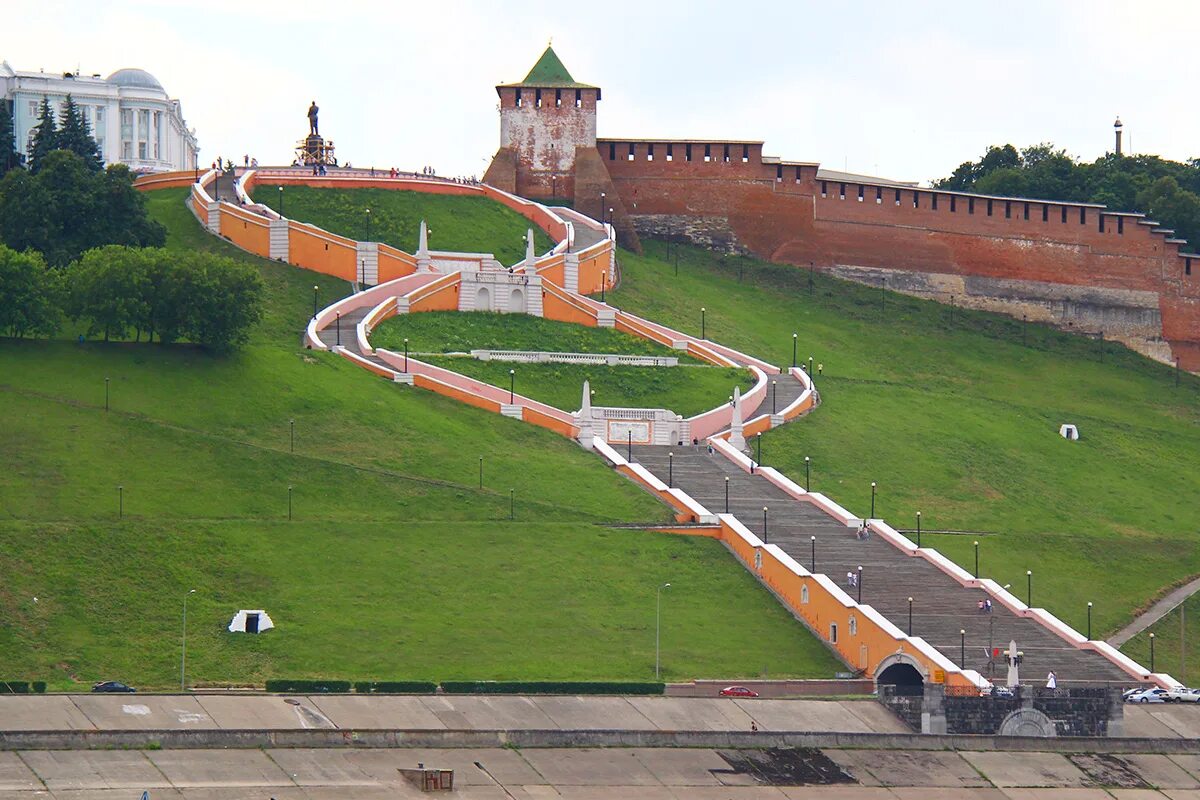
column 456, row 223
column 954, row 416
column 395, row 564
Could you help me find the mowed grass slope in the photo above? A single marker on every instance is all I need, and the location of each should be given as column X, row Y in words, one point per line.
column 395, row 564
column 952, row 415
column 456, row 223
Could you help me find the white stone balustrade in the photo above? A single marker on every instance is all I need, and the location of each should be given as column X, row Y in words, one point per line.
column 543, row 357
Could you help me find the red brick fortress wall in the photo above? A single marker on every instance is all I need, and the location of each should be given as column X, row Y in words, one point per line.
column 1111, row 269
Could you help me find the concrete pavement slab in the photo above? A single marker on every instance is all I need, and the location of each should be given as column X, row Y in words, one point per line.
column 123, row 712
column 598, row 793
column 917, row 768
column 1136, row 794
column 376, row 711
column 218, row 768
column 499, row 712
column 1188, row 762
column 590, row 767
column 802, row 715
column 1108, row 769
column 694, row 713
column 110, row 794
column 874, row 716
column 852, row 766
column 1057, row 794
column 1161, row 772
column 836, row 793
column 595, row 713
column 505, row 766
column 1026, row 769
column 360, row 793
column 684, row 767
column 41, row 712
column 320, row 767
column 943, row 793
column 728, row 793
column 243, row 793
column 1139, row 721
column 1182, row 794
column 15, row 775
column 94, row 769
column 269, row 712
column 1184, row 719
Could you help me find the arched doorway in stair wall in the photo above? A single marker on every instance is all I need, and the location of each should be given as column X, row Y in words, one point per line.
column 516, row 301
column 901, row 671
column 483, row 299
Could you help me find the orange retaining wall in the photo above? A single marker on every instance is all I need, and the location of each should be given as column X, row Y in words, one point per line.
column 593, row 267
column 394, row 263
column 315, row 249
column 248, row 231
column 441, row 295
column 165, row 180
column 558, row 305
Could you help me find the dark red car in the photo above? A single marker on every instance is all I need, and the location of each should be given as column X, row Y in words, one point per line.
column 738, row 691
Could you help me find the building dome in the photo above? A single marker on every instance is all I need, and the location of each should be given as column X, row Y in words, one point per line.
column 135, row 78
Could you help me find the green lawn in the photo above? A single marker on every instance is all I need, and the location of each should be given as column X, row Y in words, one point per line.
column 456, row 223
column 452, row 332
column 953, row 416
column 395, row 564
column 684, row 390
column 1181, row 663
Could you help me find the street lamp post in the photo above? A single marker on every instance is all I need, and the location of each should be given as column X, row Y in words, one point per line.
column 807, row 464
column 702, row 331
column 603, row 286
column 289, row 504
column 1089, row 620
column 281, row 202
column 795, row 337
column 810, row 363
column 368, row 225
column 512, row 503
column 602, row 207
column 872, row 499
column 670, row 470
column 1152, row 652
column 1029, row 588
column 658, row 628
column 512, row 386
column 726, row 494
column 918, row 529
column 292, row 435
column 406, row 354
column 758, row 437
column 338, row 328
column 774, row 386
column 858, row 583
column 764, row 524
column 962, row 647
column 315, row 290
column 910, row 616
column 813, row 564
column 629, row 448
column 183, row 653
column 976, row 558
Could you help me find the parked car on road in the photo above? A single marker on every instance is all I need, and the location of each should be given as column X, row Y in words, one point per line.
column 738, row 691
column 1182, row 694
column 115, row 687
column 1154, row 695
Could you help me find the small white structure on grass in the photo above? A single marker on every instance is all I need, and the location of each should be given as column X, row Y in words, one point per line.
column 1068, row 431
column 250, row 621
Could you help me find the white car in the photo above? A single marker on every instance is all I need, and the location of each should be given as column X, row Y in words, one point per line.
column 1181, row 694
column 1147, row 696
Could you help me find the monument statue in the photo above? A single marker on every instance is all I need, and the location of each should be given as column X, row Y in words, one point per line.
column 312, row 118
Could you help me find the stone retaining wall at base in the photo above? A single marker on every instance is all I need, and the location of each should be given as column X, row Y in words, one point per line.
column 333, row 738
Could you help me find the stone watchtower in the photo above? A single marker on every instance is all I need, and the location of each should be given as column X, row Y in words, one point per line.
column 543, row 120
column 548, row 145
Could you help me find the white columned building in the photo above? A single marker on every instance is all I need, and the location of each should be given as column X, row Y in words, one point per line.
column 131, row 116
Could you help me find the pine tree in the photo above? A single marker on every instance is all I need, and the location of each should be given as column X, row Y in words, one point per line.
column 10, row 157
column 45, row 137
column 75, row 134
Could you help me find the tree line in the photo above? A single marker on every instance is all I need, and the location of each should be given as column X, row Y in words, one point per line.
column 1166, row 191
column 119, row 292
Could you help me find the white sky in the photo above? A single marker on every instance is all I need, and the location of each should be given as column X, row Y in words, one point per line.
column 907, row 90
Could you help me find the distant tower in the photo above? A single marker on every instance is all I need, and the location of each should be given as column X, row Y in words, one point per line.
column 1117, row 128
column 542, row 120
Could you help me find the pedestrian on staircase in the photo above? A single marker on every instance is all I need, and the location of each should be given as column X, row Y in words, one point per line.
column 1051, row 681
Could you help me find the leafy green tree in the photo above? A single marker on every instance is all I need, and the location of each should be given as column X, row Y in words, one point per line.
column 31, row 294
column 122, row 210
column 45, row 136
column 1007, row 181
column 1175, row 207
column 75, row 134
column 10, row 156
column 103, row 291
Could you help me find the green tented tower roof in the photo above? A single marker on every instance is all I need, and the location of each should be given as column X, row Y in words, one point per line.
column 548, row 73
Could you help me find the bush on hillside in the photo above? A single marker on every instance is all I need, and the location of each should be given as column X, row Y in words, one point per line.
column 207, row 299
column 551, row 687
column 65, row 208
column 395, row 687
column 22, row 687
column 30, row 294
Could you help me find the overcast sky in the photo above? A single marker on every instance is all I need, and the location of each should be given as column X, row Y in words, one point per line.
column 905, row 90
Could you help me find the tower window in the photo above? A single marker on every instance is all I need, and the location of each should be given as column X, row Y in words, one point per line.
column 878, row 194
column 1007, row 210
column 824, row 188
column 578, row 98
column 1187, row 266
column 1064, row 215
column 612, row 151
column 650, row 152
column 558, row 98
column 916, row 199
column 1083, row 216
column 1027, row 212
column 670, row 153
column 745, row 153
column 519, row 99
column 833, row 633
column 725, row 154
column 989, row 208
column 841, row 191
column 631, row 149
column 1045, row 213
column 933, row 201
column 953, row 204
column 897, row 197
column 1102, row 223
column 860, row 193
column 537, row 97
column 707, row 153
column 1120, row 226
column 970, row 205
column 687, row 152
column 798, row 174
column 779, row 172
